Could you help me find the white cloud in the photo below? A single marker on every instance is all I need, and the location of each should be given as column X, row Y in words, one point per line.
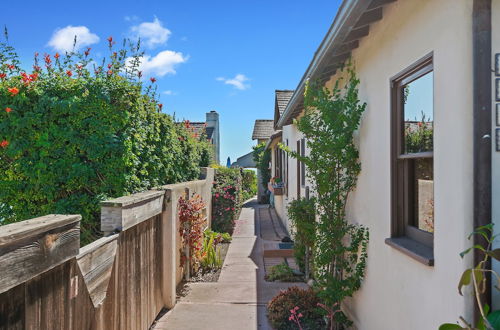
column 162, row 64
column 151, row 33
column 238, row 81
column 63, row 39
column 169, row 92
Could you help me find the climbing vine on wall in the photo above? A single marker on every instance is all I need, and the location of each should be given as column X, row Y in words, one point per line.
column 331, row 119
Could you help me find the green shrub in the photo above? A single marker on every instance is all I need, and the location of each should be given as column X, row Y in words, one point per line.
column 302, row 214
column 210, row 254
column 72, row 136
column 278, row 309
column 224, row 237
column 226, row 198
column 249, row 184
column 283, row 273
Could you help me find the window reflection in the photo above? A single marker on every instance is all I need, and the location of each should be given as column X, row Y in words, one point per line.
column 418, row 115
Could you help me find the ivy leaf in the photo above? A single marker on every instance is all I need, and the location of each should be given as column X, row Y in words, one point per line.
column 464, row 280
column 477, row 246
column 494, row 319
column 449, row 326
column 494, row 254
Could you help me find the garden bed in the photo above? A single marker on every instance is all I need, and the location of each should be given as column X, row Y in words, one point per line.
column 211, row 276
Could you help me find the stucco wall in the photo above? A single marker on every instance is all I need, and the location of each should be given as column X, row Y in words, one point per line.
column 495, row 155
column 398, row 291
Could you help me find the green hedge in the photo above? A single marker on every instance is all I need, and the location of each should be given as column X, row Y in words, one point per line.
column 71, row 138
column 248, row 185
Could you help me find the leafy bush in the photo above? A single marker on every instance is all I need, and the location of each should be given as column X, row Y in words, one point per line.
column 249, row 184
column 262, row 157
column 225, row 237
column 280, row 307
column 226, row 198
column 73, row 134
column 302, row 214
column 283, row 273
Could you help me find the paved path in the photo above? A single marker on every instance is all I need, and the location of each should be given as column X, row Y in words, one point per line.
column 238, row 300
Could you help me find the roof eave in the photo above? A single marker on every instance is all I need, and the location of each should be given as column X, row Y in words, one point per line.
column 348, row 19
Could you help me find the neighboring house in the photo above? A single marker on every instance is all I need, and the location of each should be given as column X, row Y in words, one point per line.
column 245, row 161
column 438, row 56
column 209, row 128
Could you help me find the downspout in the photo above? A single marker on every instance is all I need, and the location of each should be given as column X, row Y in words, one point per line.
column 481, row 44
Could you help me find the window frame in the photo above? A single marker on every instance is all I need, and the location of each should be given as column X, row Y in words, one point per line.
column 404, row 236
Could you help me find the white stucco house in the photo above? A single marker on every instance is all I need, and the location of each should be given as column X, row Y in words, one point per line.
column 414, row 58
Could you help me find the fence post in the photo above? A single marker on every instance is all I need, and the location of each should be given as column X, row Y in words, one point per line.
column 169, row 243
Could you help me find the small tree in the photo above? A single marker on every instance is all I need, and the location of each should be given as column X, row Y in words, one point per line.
column 329, row 123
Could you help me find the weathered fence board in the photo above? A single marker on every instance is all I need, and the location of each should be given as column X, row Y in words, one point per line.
column 96, row 263
column 12, row 309
column 31, row 247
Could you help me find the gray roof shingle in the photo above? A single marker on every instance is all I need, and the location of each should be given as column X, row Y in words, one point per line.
column 263, row 129
column 282, row 99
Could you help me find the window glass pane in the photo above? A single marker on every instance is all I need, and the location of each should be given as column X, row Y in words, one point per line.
column 423, row 193
column 418, row 114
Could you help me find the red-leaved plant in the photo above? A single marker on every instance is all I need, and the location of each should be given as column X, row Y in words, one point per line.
column 192, row 223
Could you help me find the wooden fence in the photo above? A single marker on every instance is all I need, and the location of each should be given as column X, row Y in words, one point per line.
column 121, row 281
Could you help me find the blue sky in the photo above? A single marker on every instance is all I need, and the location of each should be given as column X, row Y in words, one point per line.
column 227, row 56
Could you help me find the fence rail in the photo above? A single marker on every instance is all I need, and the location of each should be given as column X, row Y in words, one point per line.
column 121, row 281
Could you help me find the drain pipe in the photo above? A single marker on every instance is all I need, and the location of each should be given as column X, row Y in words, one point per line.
column 482, row 99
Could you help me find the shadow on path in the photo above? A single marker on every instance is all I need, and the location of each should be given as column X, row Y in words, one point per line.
column 238, row 300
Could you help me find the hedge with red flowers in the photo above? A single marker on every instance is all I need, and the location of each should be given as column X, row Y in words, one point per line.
column 226, row 198
column 73, row 133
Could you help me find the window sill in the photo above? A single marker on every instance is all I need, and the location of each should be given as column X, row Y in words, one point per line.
column 413, row 249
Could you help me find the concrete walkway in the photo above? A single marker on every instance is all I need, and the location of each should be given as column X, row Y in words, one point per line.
column 238, row 300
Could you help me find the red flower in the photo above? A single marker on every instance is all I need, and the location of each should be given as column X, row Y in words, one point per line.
column 153, row 79
column 419, row 124
column 160, row 106
column 8, row 109
column 56, row 56
column 2, row 75
column 139, row 74
column 13, row 91
column 11, row 66
column 24, row 77
column 4, row 144
column 37, row 68
column 110, row 72
column 87, row 52
column 109, row 66
column 47, row 59
column 110, row 40
column 69, row 73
